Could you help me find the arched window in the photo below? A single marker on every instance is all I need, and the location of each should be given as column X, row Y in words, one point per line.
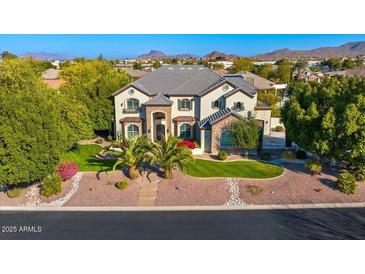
column 226, row 139
column 132, row 131
column 132, row 104
column 186, row 131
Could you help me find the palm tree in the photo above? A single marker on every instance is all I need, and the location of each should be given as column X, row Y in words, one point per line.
column 134, row 152
column 168, row 155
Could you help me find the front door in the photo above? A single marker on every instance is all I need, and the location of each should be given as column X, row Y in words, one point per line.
column 160, row 132
column 207, row 141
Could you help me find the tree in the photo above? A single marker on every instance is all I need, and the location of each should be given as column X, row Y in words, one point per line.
column 272, row 99
column 137, row 65
column 299, row 66
column 217, row 66
column 156, row 64
column 283, row 73
column 7, row 55
column 241, row 64
column 245, row 133
column 134, row 152
column 265, row 71
column 329, row 119
column 333, row 63
column 169, row 155
column 92, row 83
column 348, row 63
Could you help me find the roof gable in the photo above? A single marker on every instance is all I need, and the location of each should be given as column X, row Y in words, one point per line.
column 159, row 100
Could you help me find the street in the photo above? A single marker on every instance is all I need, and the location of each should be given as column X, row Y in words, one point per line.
column 341, row 223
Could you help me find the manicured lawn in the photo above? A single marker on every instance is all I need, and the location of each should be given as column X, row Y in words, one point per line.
column 85, row 157
column 240, row 169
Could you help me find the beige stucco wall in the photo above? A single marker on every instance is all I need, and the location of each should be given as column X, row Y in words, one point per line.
column 206, row 101
column 175, row 107
column 122, row 99
column 276, row 121
column 266, row 116
column 248, row 102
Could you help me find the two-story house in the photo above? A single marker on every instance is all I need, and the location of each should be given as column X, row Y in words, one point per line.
column 188, row 101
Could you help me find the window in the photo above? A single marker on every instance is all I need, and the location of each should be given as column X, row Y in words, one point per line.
column 186, row 131
column 226, row 139
column 184, row 104
column 215, row 104
column 133, row 131
column 238, row 105
column 132, row 104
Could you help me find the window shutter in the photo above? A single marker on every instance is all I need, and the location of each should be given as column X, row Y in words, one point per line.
column 213, row 104
column 191, row 104
column 179, row 104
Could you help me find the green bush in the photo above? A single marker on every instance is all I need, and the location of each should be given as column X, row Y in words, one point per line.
column 121, row 185
column 99, row 141
column 279, row 128
column 301, row 154
column 313, row 166
column 222, row 155
column 14, row 192
column 265, row 156
column 288, row 154
column 360, row 174
column 51, row 185
column 110, row 138
column 346, row 183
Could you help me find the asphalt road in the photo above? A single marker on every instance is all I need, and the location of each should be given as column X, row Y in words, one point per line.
column 342, row 223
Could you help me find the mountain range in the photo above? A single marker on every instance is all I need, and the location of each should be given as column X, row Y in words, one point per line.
column 351, row 49
column 156, row 54
column 49, row 56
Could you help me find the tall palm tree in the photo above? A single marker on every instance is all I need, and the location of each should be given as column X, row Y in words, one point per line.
column 168, row 155
column 134, row 152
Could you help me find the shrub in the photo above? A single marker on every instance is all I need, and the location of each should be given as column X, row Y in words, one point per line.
column 288, row 154
column 313, row 166
column 301, row 154
column 222, row 155
column 51, row 185
column 254, row 190
column 360, row 174
column 279, row 128
column 110, row 138
column 346, row 183
column 265, row 156
column 66, row 170
column 99, row 141
column 187, row 143
column 121, row 185
column 14, row 192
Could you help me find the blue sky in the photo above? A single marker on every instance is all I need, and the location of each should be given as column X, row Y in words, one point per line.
column 122, row 45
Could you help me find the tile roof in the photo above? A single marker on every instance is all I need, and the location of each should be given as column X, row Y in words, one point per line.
column 258, row 81
column 238, row 81
column 159, row 100
column 213, row 118
column 131, row 119
column 184, row 119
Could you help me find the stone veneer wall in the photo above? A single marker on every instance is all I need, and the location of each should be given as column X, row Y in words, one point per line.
column 217, row 129
column 150, row 110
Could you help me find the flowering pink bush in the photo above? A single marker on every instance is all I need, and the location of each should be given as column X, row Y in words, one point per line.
column 187, row 144
column 67, row 170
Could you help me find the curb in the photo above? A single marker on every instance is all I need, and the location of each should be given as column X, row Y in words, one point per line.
column 188, row 208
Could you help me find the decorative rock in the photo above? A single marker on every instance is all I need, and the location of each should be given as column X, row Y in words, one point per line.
column 234, row 191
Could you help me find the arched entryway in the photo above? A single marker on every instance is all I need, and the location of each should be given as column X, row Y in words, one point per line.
column 159, row 125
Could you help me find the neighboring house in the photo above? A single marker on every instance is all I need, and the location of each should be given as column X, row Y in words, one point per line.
column 259, row 82
column 188, row 101
column 307, row 75
column 135, row 74
column 50, row 78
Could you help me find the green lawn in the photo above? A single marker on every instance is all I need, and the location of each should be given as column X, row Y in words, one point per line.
column 241, row 169
column 85, row 157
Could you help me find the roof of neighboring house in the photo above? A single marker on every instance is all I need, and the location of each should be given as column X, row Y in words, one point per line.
column 50, row 74
column 136, row 73
column 159, row 100
column 185, row 80
column 184, row 119
column 233, row 91
column 239, row 82
column 131, row 119
column 55, row 84
column 215, row 117
column 258, row 81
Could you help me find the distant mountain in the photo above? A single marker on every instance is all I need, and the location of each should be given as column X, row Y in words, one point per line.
column 351, row 49
column 152, row 55
column 183, row 56
column 49, row 56
column 216, row 55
